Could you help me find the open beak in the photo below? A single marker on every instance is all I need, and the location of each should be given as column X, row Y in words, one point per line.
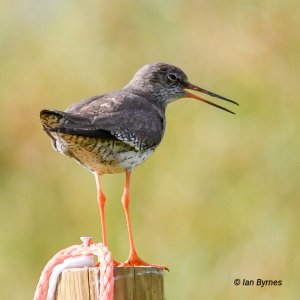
column 190, row 86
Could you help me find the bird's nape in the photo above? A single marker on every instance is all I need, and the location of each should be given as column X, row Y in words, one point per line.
column 193, row 87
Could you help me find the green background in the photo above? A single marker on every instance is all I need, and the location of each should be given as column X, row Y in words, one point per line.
column 218, row 200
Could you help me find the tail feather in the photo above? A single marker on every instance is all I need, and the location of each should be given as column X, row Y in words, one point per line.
column 51, row 119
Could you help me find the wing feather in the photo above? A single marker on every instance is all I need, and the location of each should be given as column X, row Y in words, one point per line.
column 134, row 120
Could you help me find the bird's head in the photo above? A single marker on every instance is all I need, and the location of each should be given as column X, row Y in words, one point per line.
column 167, row 83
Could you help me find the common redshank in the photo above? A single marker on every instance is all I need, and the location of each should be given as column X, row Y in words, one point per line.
column 116, row 132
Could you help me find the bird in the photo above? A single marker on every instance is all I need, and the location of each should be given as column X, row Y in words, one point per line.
column 115, row 132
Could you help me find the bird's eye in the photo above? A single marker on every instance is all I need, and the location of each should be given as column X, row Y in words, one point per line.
column 173, row 78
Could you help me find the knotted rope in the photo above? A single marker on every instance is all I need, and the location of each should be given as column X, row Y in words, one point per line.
column 78, row 256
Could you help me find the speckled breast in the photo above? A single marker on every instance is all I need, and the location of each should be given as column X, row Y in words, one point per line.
column 100, row 155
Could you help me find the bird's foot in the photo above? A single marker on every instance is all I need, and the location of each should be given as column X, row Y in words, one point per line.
column 135, row 261
column 116, row 264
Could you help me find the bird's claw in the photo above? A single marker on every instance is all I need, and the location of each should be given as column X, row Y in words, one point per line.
column 137, row 262
column 116, row 264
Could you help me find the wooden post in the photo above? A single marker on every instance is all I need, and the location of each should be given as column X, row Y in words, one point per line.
column 131, row 283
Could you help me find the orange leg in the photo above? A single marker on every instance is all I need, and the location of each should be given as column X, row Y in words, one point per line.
column 133, row 259
column 101, row 203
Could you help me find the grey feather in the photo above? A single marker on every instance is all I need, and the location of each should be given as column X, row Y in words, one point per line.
column 127, row 117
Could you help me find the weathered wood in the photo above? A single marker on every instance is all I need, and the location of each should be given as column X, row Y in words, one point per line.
column 133, row 283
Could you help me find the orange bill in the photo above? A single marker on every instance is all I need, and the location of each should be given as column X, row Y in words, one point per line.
column 198, row 89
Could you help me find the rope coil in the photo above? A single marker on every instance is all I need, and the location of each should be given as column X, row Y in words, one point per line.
column 77, row 256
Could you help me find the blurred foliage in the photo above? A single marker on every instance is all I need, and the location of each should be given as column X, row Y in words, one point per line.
column 218, row 200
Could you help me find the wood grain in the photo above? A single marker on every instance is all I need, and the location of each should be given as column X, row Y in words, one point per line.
column 131, row 283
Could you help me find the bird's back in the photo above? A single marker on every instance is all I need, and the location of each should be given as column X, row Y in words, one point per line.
column 108, row 133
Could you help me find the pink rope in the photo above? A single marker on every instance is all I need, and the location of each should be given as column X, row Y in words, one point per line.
column 106, row 278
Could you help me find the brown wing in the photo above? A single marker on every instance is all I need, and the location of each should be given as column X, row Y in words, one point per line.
column 129, row 118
